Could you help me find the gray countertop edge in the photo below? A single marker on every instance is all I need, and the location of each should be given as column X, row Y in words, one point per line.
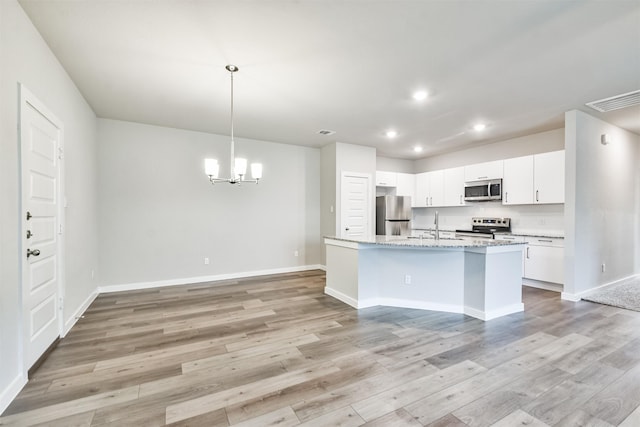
column 398, row 241
column 513, row 233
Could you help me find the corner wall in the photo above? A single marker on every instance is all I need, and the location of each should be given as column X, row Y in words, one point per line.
column 160, row 216
column 602, row 210
column 26, row 58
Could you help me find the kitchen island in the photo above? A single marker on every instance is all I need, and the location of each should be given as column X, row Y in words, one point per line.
column 480, row 278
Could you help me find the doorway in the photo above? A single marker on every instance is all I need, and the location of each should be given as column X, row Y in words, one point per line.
column 41, row 149
column 355, row 205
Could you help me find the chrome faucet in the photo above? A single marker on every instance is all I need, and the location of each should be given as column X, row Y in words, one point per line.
column 437, row 223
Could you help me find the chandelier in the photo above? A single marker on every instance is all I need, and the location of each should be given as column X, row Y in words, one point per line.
column 238, row 165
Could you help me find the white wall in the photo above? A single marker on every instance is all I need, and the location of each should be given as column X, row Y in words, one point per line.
column 601, row 208
column 160, row 217
column 394, row 165
column 531, row 144
column 25, row 57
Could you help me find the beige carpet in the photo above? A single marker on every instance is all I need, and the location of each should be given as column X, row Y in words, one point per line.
column 623, row 295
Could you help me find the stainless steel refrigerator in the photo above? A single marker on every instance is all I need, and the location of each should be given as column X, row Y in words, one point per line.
column 393, row 215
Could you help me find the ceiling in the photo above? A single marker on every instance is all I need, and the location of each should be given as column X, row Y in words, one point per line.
column 349, row 66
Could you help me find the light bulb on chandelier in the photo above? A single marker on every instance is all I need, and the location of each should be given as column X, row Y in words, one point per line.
column 237, row 165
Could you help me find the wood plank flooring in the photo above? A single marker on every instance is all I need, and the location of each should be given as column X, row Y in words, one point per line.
column 276, row 351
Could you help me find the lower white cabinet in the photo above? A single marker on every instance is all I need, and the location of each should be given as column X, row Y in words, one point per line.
column 544, row 260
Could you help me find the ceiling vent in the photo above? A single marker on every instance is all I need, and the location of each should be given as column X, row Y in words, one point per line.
column 326, row 132
column 616, row 102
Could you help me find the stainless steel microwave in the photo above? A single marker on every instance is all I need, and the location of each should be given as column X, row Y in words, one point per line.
column 479, row 191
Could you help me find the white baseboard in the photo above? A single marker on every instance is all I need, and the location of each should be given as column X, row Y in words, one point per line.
column 200, row 279
column 578, row 296
column 8, row 394
column 488, row 315
column 547, row 286
column 342, row 297
column 78, row 313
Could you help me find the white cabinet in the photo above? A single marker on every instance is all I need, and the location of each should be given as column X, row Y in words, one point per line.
column 406, row 185
column 436, row 188
column 517, row 184
column 454, row 187
column 482, row 171
column 544, row 260
column 386, row 179
column 548, row 177
column 429, row 189
column 422, row 190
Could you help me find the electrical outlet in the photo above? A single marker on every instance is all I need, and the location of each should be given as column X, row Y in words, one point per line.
column 93, row 274
column 295, row 253
column 407, row 279
column 331, row 209
column 206, row 261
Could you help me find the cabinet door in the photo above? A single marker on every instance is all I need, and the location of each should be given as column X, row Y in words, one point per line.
column 548, row 177
column 406, row 185
column 436, row 188
column 517, row 185
column 482, row 171
column 544, row 263
column 386, row 179
column 454, row 187
column 422, row 190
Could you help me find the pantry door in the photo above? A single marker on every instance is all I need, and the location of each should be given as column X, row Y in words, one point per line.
column 41, row 136
column 355, row 205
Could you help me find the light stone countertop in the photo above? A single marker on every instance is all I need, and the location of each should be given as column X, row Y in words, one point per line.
column 404, row 241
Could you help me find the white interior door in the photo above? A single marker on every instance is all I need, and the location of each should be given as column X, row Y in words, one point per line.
column 41, row 149
column 355, row 205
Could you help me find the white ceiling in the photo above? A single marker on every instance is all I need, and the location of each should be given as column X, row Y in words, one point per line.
column 349, row 66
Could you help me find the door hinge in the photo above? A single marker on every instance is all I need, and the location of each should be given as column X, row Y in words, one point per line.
column 60, row 153
column 59, row 228
column 60, row 303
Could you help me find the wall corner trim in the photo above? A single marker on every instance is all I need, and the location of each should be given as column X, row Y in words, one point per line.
column 8, row 394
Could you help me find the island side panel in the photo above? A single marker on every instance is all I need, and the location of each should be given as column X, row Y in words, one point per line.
column 493, row 281
column 342, row 272
column 436, row 278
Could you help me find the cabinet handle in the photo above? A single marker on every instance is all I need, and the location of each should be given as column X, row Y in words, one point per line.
column 461, row 199
column 545, row 240
column 509, row 238
column 431, row 201
column 506, row 197
column 483, row 177
column 528, row 252
column 537, row 199
column 427, row 201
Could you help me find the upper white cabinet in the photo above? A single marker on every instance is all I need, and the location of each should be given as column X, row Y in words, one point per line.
column 386, row 179
column 517, row 184
column 429, row 189
column 548, row 177
column 482, row 171
column 436, row 188
column 454, row 187
column 422, row 191
column 406, row 185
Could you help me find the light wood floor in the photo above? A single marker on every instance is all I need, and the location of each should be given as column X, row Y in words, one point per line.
column 275, row 350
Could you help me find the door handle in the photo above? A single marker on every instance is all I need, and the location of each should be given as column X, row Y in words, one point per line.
column 34, row 252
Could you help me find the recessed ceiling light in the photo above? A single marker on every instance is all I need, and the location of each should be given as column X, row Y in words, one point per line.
column 391, row 134
column 420, row 95
column 479, row 126
column 417, row 149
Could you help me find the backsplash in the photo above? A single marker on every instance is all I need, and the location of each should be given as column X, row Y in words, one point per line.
column 524, row 218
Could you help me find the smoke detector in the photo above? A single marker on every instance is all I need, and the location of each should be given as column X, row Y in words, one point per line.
column 326, row 132
column 629, row 99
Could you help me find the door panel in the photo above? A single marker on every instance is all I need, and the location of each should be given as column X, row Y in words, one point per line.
column 40, row 139
column 355, row 206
